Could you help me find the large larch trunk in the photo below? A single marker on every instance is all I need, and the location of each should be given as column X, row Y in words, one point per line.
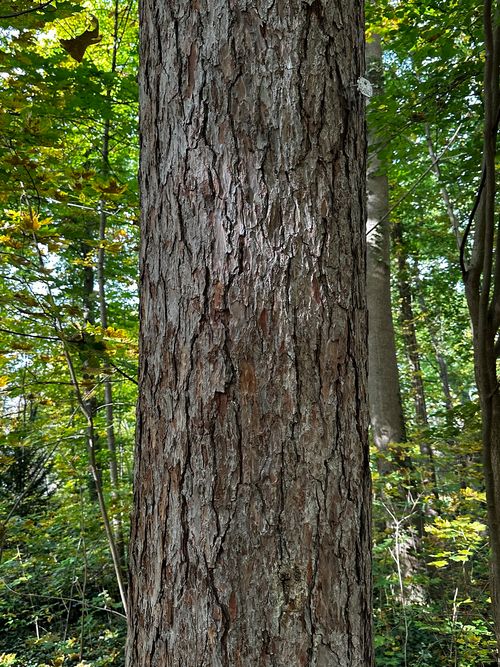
column 251, row 527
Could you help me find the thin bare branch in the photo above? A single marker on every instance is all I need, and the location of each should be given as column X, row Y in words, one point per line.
column 27, row 11
column 27, row 335
column 417, row 182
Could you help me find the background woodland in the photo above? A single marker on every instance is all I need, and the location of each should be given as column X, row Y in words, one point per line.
column 69, row 323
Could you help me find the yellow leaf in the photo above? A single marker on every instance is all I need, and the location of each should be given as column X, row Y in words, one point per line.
column 111, row 188
column 111, row 332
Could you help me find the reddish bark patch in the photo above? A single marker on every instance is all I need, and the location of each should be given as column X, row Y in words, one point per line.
column 263, row 321
column 288, row 401
column 221, row 401
column 315, row 290
column 233, row 606
column 303, row 659
column 169, row 612
column 218, row 298
column 192, row 60
column 175, row 476
column 248, row 382
column 212, row 634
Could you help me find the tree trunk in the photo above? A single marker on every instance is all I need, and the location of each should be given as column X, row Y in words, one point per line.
column 88, row 372
column 437, row 346
column 386, row 411
column 412, row 349
column 481, row 274
column 251, row 528
column 410, row 333
column 114, row 477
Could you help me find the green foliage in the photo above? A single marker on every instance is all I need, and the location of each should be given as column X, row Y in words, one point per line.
column 53, row 596
column 431, row 550
column 431, row 603
column 68, row 214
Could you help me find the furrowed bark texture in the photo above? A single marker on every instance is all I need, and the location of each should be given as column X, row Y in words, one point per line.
column 251, row 531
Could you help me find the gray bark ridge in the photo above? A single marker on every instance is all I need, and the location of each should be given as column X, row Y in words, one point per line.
column 251, row 529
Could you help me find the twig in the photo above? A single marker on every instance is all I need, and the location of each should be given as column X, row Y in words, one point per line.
column 26, row 11
column 27, row 335
column 472, row 215
column 61, row 598
column 417, row 182
column 125, row 375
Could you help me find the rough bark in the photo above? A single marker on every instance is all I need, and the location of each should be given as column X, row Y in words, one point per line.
column 251, row 529
column 386, row 411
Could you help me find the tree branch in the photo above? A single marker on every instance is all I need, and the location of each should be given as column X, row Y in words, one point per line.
column 472, row 215
column 418, row 181
column 27, row 335
column 63, row 599
column 121, row 372
column 26, row 11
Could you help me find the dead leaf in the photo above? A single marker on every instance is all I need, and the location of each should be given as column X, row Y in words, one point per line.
column 77, row 46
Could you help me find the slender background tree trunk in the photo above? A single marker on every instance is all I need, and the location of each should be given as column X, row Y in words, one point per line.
column 114, row 476
column 386, row 411
column 251, row 530
column 407, row 315
column 481, row 274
